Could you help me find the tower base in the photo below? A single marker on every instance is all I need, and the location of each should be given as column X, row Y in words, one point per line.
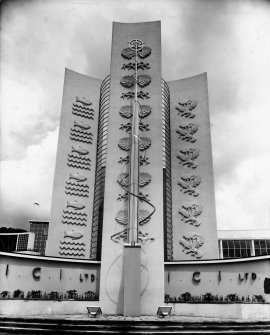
column 132, row 280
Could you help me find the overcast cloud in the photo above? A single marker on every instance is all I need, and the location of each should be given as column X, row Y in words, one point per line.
column 227, row 39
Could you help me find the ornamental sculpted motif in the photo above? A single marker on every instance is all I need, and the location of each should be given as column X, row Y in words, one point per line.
column 144, row 143
column 186, row 132
column 140, row 65
column 189, row 213
column 122, row 217
column 188, row 184
column 128, row 53
column 185, row 108
column 129, row 81
column 126, row 111
column 136, row 49
column 191, row 242
column 187, row 157
column 144, row 179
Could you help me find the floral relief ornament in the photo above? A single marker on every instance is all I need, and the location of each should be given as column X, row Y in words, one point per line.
column 191, row 242
column 185, row 108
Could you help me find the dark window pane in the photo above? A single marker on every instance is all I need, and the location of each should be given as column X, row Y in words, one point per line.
column 237, row 253
column 225, row 244
column 263, row 251
column 243, row 243
column 231, row 253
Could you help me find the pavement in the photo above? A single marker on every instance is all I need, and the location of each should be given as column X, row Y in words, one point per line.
column 172, row 318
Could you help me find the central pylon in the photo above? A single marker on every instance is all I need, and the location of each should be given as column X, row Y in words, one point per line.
column 135, row 45
column 132, row 253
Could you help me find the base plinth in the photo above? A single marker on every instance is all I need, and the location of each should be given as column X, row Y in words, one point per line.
column 132, row 281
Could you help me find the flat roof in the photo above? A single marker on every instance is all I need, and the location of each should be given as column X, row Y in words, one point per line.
column 262, row 234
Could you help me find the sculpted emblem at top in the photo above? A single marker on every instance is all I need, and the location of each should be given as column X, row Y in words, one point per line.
column 128, row 53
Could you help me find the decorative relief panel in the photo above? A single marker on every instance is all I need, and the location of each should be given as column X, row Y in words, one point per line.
column 74, row 218
column 75, row 189
column 189, row 213
column 81, row 135
column 144, row 179
column 72, row 247
column 187, row 131
column 75, row 215
column 185, row 108
column 140, row 66
column 191, row 242
column 130, row 95
column 142, row 196
column 144, row 143
column 128, row 53
column 187, row 157
column 188, row 184
column 143, row 160
column 82, row 108
column 129, row 81
column 126, row 111
column 122, row 217
column 75, row 205
column 142, row 237
column 77, row 158
column 128, row 126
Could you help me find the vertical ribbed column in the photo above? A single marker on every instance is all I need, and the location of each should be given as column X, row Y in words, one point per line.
column 98, row 205
column 167, row 182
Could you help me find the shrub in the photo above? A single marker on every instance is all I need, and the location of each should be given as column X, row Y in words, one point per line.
column 208, row 297
column 186, row 296
column 5, row 294
column 18, row 294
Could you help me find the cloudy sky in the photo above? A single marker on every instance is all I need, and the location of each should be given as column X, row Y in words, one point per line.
column 227, row 39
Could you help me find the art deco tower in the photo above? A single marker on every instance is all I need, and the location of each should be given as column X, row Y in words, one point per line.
column 133, row 170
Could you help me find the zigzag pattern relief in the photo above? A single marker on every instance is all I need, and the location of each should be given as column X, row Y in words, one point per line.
column 73, row 223
column 85, row 112
column 72, row 248
column 83, row 109
column 77, row 194
column 78, row 166
column 73, row 218
column 74, row 213
column 81, row 135
column 83, row 160
column 71, row 253
column 81, row 190
column 79, row 162
column 76, row 184
column 72, row 243
column 82, row 106
column 68, row 248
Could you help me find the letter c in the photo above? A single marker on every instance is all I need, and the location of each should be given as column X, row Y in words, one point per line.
column 36, row 273
column 196, row 277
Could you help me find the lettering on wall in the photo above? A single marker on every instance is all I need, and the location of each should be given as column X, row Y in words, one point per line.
column 36, row 273
column 196, row 277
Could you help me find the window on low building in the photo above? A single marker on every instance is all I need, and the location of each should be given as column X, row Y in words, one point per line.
column 262, row 247
column 236, row 248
